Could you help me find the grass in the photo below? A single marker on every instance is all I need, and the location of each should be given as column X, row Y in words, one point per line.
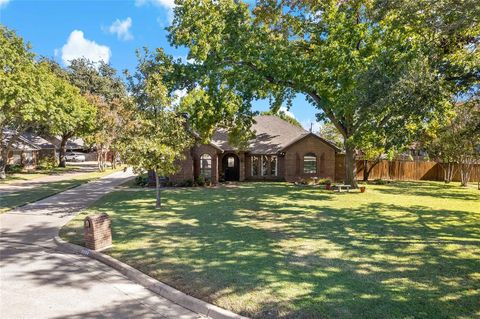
column 274, row 250
column 11, row 200
column 31, row 175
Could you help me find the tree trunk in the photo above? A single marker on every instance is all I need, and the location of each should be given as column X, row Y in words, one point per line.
column 99, row 160
column 448, row 172
column 465, row 171
column 62, row 161
column 158, row 204
column 3, row 163
column 114, row 159
column 105, row 158
column 366, row 172
column 350, row 166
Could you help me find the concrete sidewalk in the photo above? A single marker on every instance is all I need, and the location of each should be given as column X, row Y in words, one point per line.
column 38, row 281
column 18, row 186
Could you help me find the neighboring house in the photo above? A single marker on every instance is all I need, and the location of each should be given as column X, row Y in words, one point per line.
column 47, row 149
column 279, row 152
column 23, row 152
column 74, row 145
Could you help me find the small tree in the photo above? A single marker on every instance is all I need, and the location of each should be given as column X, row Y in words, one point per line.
column 157, row 143
column 158, row 139
column 456, row 142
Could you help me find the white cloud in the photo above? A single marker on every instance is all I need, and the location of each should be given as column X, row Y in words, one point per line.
column 178, row 95
column 122, row 29
column 286, row 111
column 169, row 4
column 3, row 3
column 77, row 47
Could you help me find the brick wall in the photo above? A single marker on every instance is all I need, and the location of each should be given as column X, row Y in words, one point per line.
column 198, row 151
column 294, row 159
column 186, row 169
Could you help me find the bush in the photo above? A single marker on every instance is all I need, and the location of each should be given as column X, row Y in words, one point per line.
column 188, row 183
column 47, row 163
column 200, row 181
column 324, row 181
column 17, row 168
column 141, row 180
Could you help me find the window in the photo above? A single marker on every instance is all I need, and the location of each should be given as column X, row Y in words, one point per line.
column 231, row 161
column 273, row 165
column 265, row 165
column 255, row 161
column 206, row 166
column 310, row 164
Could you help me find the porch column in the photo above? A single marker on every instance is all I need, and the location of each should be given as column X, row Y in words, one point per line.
column 241, row 157
column 215, row 169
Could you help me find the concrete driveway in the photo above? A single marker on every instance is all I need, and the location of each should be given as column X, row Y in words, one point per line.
column 38, row 281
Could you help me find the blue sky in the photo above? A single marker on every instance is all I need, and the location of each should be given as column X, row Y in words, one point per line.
column 110, row 30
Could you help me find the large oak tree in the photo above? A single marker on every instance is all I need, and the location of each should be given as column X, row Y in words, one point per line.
column 364, row 65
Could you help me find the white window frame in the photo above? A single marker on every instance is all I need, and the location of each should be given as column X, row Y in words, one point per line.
column 262, row 157
column 253, row 157
column 315, row 162
column 203, row 169
column 276, row 165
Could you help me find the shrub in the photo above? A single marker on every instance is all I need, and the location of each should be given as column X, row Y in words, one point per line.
column 200, row 181
column 17, row 168
column 47, row 163
column 188, row 183
column 324, row 181
column 141, row 180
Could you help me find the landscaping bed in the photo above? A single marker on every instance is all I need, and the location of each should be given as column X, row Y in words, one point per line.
column 274, row 250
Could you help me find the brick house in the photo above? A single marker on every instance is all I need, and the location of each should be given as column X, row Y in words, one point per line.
column 280, row 151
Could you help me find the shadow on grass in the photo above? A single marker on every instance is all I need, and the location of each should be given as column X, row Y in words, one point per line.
column 430, row 189
column 277, row 251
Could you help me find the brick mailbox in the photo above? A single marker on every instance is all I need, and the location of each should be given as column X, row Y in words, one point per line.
column 97, row 232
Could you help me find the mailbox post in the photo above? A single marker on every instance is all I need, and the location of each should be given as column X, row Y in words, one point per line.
column 97, row 232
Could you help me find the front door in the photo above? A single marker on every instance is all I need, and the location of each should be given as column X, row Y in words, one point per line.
column 231, row 167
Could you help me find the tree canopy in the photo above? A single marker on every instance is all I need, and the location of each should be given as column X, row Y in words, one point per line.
column 362, row 64
column 158, row 138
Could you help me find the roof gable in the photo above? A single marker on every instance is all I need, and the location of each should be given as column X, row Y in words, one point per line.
column 328, row 143
column 272, row 135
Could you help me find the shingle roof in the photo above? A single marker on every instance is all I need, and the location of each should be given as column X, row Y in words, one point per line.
column 37, row 140
column 272, row 135
column 21, row 143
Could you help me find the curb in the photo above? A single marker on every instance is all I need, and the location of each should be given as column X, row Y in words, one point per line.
column 170, row 293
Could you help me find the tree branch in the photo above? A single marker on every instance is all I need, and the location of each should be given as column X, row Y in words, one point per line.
column 314, row 95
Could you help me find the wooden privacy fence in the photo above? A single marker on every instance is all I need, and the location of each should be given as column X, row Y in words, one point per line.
column 403, row 170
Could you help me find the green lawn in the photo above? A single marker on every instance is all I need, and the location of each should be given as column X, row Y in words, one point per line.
column 14, row 199
column 32, row 175
column 274, row 250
